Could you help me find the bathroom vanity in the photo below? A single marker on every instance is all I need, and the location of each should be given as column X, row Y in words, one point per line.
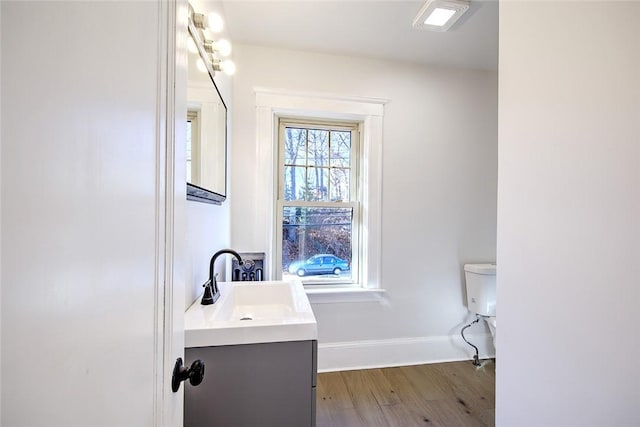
column 259, row 346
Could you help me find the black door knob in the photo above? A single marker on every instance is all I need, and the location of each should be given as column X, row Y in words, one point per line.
column 195, row 373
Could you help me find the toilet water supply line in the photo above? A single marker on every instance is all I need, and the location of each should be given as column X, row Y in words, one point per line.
column 476, row 359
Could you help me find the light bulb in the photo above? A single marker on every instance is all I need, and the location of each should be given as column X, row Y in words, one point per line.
column 215, row 22
column 223, row 47
column 228, row 67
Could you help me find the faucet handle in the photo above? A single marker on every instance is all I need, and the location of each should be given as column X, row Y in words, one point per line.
column 209, row 293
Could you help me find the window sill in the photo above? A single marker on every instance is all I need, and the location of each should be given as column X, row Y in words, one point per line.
column 340, row 295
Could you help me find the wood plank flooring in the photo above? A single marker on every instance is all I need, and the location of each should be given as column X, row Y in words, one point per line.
column 455, row 394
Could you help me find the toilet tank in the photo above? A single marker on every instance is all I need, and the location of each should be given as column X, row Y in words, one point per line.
column 481, row 288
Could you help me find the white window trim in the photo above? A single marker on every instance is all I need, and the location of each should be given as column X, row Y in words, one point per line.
column 345, row 294
column 271, row 104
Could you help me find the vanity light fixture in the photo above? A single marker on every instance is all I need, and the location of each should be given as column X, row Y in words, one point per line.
column 222, row 47
column 213, row 21
column 214, row 51
column 440, row 15
column 199, row 20
column 227, row 66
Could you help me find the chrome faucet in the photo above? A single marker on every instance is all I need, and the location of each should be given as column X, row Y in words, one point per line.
column 211, row 292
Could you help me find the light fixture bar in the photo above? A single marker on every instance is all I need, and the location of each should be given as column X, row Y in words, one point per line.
column 440, row 15
column 209, row 50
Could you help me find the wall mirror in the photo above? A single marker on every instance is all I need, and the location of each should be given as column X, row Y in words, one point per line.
column 206, row 128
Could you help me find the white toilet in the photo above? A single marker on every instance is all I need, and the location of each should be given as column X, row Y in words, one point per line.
column 481, row 293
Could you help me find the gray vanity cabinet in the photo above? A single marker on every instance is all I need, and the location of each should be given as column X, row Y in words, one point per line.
column 251, row 385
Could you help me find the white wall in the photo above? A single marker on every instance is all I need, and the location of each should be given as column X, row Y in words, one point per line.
column 568, row 214
column 439, row 195
column 207, row 231
column 208, row 226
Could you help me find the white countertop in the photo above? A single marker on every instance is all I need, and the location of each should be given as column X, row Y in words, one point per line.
column 251, row 313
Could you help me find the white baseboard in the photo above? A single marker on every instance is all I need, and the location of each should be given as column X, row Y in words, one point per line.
column 345, row 356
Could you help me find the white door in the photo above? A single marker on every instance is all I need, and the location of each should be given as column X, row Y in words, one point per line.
column 90, row 209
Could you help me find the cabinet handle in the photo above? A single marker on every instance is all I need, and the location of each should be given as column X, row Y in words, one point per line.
column 195, row 373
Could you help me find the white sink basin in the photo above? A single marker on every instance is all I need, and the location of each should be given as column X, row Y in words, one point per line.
column 252, row 312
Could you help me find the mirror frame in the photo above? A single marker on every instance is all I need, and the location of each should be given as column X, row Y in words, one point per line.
column 195, row 192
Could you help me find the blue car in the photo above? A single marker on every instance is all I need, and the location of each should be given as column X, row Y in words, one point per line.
column 319, row 264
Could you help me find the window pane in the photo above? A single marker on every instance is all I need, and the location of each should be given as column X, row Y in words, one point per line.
column 316, row 242
column 339, row 184
column 295, row 181
column 318, row 147
column 295, row 146
column 318, row 184
column 341, row 148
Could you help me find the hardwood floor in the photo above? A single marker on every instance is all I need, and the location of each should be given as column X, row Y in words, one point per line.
column 454, row 394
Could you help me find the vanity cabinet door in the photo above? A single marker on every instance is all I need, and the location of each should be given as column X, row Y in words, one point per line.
column 252, row 385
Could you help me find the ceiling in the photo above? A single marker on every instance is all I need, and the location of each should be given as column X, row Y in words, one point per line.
column 374, row 28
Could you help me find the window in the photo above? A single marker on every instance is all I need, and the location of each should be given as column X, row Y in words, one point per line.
column 318, row 206
column 267, row 219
